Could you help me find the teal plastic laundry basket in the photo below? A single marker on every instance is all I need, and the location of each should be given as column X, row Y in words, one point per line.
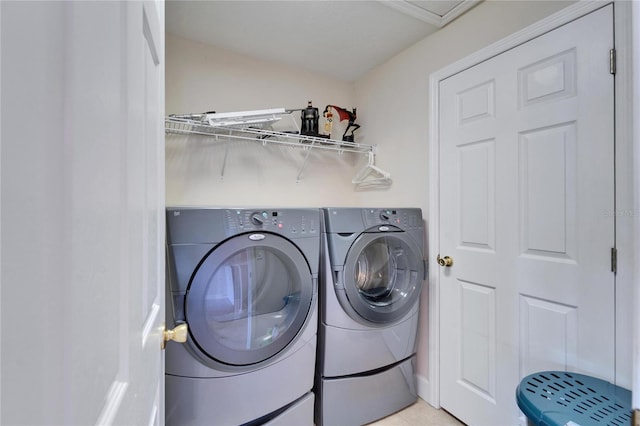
column 558, row 398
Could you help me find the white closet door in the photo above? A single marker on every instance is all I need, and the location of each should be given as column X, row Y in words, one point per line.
column 527, row 179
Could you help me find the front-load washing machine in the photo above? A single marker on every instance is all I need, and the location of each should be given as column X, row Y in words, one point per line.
column 245, row 283
column 372, row 271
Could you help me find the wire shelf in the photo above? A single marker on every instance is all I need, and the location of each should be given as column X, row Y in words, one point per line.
column 256, row 126
column 256, row 134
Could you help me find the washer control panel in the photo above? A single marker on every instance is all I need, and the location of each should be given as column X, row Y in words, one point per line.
column 290, row 222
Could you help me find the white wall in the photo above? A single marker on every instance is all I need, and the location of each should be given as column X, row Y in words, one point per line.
column 392, row 102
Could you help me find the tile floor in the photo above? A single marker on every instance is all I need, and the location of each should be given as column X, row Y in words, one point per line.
column 418, row 414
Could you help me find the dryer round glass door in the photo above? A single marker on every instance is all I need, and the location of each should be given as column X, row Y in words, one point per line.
column 383, row 276
column 248, row 299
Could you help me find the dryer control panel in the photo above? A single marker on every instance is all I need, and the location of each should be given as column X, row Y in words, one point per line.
column 405, row 218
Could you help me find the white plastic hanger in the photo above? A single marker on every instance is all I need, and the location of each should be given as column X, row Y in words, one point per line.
column 371, row 176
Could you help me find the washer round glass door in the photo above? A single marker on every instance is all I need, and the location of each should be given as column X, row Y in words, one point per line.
column 248, row 298
column 383, row 276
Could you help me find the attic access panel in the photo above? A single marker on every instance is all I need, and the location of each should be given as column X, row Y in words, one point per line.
column 435, row 12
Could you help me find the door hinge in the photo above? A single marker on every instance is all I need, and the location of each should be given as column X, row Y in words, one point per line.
column 612, row 61
column 614, row 260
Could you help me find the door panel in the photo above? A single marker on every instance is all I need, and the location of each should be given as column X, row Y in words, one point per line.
column 549, row 333
column 526, row 162
column 82, row 213
column 477, row 195
column 547, row 188
column 478, row 339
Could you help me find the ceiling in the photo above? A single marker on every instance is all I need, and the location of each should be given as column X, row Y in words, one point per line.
column 342, row 39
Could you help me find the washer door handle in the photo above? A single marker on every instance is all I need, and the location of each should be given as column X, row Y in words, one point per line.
column 178, row 334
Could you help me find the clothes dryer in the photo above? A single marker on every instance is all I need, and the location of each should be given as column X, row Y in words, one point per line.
column 372, row 273
column 245, row 283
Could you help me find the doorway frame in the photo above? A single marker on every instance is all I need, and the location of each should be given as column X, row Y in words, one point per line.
column 625, row 148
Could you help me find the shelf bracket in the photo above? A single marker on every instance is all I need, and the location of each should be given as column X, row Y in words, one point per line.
column 224, row 160
column 304, row 162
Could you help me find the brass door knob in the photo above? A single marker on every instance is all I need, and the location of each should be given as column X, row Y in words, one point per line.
column 445, row 261
column 178, row 334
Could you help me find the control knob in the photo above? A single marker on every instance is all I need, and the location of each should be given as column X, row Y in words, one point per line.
column 385, row 215
column 259, row 218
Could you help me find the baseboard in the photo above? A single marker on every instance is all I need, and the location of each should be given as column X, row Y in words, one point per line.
column 424, row 390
